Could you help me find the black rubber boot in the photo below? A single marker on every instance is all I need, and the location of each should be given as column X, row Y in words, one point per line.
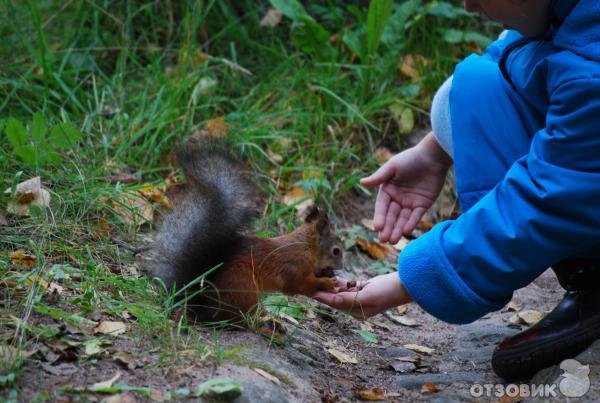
column 565, row 332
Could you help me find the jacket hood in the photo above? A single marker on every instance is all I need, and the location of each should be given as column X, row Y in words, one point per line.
column 578, row 26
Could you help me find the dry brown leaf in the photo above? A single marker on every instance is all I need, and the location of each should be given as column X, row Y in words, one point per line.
column 426, row 225
column 419, row 349
column 430, row 388
column 267, row 375
column 401, row 310
column 271, row 19
column 512, row 306
column 373, row 394
column 527, row 317
column 216, row 127
column 382, row 154
column 55, row 288
column 112, row 328
column 133, row 209
column 402, row 319
column 20, row 257
column 154, row 194
column 375, row 249
column 28, row 193
column 274, row 156
column 342, row 357
column 368, row 224
column 108, row 383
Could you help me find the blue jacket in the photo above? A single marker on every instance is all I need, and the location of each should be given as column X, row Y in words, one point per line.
column 526, row 138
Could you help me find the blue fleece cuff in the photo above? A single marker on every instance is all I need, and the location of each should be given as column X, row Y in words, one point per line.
column 432, row 282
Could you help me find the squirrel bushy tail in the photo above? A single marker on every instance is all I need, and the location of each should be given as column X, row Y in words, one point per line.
column 210, row 220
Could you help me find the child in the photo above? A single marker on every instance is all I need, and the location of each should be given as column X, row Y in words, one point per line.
column 521, row 124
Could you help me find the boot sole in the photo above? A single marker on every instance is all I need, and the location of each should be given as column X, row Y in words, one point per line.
column 519, row 364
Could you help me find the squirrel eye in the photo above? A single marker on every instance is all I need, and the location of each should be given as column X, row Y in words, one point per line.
column 336, row 251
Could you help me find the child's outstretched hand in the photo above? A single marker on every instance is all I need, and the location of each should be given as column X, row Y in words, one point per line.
column 410, row 183
column 367, row 298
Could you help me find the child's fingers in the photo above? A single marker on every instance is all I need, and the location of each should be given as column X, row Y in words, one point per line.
column 342, row 300
column 381, row 207
column 413, row 220
column 398, row 228
column 390, row 221
column 382, row 175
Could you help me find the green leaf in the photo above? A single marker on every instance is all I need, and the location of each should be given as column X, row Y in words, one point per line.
column 38, row 128
column 453, row 35
column 379, row 13
column 27, row 154
column 447, row 10
column 292, row 9
column 15, row 132
column 223, row 388
column 310, row 37
column 367, row 336
column 354, row 40
column 481, row 40
column 393, row 34
column 64, row 135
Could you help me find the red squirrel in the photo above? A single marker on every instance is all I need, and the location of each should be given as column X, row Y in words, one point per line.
column 209, row 225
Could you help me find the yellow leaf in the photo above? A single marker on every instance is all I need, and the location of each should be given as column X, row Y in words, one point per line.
column 373, row 394
column 419, row 349
column 342, row 357
column 527, row 317
column 19, row 256
column 266, row 375
column 34, row 278
column 410, row 65
column 112, row 328
column 368, row 224
column 300, row 200
column 374, row 249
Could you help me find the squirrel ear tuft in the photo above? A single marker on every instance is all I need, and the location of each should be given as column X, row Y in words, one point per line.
column 323, row 226
column 313, row 214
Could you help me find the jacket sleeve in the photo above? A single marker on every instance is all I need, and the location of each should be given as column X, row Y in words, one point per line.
column 546, row 208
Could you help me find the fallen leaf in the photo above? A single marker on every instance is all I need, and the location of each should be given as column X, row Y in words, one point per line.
column 112, row 328
column 401, row 244
column 430, row 388
column 271, row 19
column 368, row 224
column 108, row 383
column 401, row 319
column 55, row 288
column 527, row 317
column 133, row 209
column 401, row 310
column 92, row 347
column 367, row 336
column 409, row 66
column 373, row 394
column 419, row 349
column 267, row 375
column 27, row 194
column 154, row 194
column 512, row 306
column 216, row 127
column 404, row 117
column 382, row 154
column 299, row 199
column 341, row 356
column 20, row 257
column 277, row 158
column 426, row 225
column 35, row 279
column 375, row 249
column 222, row 388
column 403, row 366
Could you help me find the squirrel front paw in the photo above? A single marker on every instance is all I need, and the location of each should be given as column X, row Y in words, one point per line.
column 328, row 284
